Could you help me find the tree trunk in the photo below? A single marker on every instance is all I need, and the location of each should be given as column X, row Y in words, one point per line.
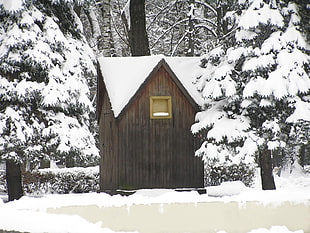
column 301, row 155
column 107, row 44
column 191, row 46
column 95, row 38
column 14, row 180
column 222, row 23
column 266, row 170
column 138, row 40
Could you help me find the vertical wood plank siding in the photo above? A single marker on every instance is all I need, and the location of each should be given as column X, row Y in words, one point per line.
column 139, row 152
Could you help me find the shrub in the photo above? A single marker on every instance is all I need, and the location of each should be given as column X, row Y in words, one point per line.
column 58, row 181
column 216, row 174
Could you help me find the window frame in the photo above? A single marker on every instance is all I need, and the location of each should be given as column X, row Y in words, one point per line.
column 169, row 106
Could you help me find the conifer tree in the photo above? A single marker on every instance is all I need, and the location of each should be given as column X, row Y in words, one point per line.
column 257, row 92
column 45, row 66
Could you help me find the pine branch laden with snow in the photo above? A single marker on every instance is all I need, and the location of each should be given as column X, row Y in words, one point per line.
column 44, row 73
column 257, row 93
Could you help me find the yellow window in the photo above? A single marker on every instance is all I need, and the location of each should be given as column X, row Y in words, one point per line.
column 160, row 107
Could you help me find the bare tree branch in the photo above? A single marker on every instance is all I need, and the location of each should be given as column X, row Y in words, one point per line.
column 169, row 29
column 207, row 28
column 178, row 44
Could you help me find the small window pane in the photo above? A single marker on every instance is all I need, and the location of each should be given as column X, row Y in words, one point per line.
column 160, row 107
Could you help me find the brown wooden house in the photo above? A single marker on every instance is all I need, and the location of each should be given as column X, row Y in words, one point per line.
column 145, row 112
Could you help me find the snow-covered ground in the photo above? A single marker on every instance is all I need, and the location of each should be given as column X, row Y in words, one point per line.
column 29, row 213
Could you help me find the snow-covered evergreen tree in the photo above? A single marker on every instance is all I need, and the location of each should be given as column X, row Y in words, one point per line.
column 257, row 93
column 45, row 66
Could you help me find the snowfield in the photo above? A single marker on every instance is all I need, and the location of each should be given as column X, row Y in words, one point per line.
column 34, row 214
column 270, row 51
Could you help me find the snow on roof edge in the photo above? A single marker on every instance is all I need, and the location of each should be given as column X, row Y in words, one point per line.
column 123, row 76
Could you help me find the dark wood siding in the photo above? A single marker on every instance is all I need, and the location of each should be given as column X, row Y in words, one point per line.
column 139, row 152
column 108, row 140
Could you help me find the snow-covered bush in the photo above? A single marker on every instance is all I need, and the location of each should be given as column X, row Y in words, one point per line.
column 62, row 181
column 216, row 174
column 58, row 181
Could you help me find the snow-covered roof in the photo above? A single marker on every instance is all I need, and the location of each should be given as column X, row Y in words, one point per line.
column 124, row 75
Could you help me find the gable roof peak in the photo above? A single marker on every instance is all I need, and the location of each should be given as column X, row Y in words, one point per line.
column 123, row 76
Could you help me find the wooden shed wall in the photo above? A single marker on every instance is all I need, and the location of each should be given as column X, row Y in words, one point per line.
column 140, row 152
column 108, row 139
